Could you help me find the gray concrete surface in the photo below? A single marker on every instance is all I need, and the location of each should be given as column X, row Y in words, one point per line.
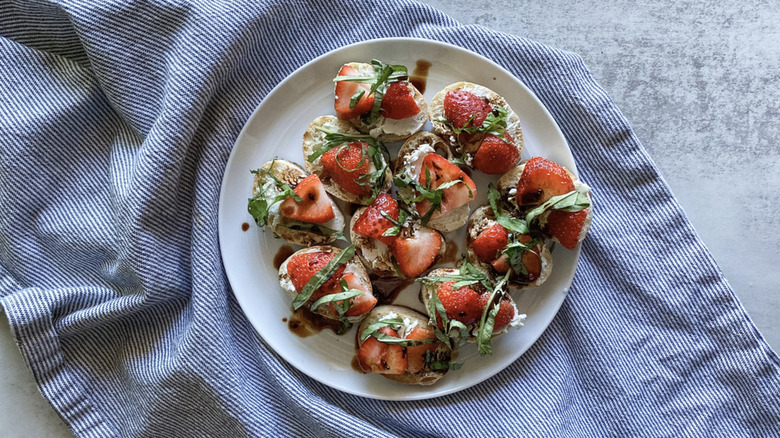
column 700, row 83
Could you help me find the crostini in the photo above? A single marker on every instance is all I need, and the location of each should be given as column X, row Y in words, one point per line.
column 294, row 205
column 378, row 99
column 465, row 305
column 352, row 166
column 401, row 345
column 479, row 124
column 390, row 243
column 496, row 250
column 551, row 199
column 328, row 281
column 437, row 189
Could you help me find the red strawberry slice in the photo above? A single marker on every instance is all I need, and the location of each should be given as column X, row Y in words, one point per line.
column 566, row 226
column 375, row 356
column 461, row 106
column 301, row 267
column 541, row 180
column 415, row 354
column 315, row 206
column 505, row 315
column 490, row 242
column 348, row 165
column 398, row 101
column 501, row 264
column 415, row 253
column 441, row 171
column 372, row 223
column 461, row 304
column 361, row 303
column 344, row 92
column 496, row 155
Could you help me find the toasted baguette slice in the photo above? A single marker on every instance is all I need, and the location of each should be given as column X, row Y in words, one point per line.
column 353, row 265
column 482, row 219
column 411, row 319
column 389, row 130
column 428, row 289
column 409, row 162
column 507, row 187
column 468, row 149
column 291, row 174
column 313, row 139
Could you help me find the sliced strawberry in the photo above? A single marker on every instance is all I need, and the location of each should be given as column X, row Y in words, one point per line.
column 441, row 171
column 377, row 357
column 461, row 106
column 301, row 267
column 372, row 223
column 415, row 354
column 361, row 303
column 398, row 101
column 505, row 315
column 416, row 252
column 490, row 242
column 348, row 165
column 496, row 155
column 566, row 226
column 501, row 264
column 315, row 206
column 344, row 92
column 541, row 180
column 461, row 304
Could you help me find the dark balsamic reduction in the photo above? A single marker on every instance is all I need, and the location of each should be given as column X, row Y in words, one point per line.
column 419, row 77
column 386, row 290
column 244, row 226
column 282, row 254
column 303, row 322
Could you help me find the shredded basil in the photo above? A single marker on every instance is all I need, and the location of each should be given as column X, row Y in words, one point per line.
column 384, row 74
column 322, row 276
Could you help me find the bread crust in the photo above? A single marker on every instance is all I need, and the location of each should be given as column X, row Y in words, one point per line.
column 424, row 377
column 353, row 265
column 468, row 149
column 313, row 139
column 292, row 174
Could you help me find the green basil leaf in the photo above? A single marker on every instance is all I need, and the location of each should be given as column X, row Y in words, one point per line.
column 341, row 296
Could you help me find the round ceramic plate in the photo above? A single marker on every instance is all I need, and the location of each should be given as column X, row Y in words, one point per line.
column 276, row 129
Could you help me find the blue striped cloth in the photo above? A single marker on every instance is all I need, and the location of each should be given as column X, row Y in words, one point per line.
column 117, row 121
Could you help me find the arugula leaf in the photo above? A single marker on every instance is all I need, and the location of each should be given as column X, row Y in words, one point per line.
column 322, row 276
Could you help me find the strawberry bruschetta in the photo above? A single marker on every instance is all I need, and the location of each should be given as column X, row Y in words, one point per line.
column 379, row 100
column 352, row 166
column 401, row 345
column 437, row 190
column 390, row 243
column 550, row 198
column 465, row 305
column 328, row 281
column 497, row 249
column 294, row 205
column 479, row 125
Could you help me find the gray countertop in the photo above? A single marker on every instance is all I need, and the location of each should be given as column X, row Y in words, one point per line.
column 699, row 82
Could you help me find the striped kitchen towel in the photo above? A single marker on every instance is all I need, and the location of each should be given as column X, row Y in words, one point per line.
column 118, row 118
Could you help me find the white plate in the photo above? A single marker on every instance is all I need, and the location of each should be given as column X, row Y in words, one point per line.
column 276, row 129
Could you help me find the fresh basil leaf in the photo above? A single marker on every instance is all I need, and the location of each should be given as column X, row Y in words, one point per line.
column 340, row 296
column 570, row 202
column 322, row 276
column 393, row 323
